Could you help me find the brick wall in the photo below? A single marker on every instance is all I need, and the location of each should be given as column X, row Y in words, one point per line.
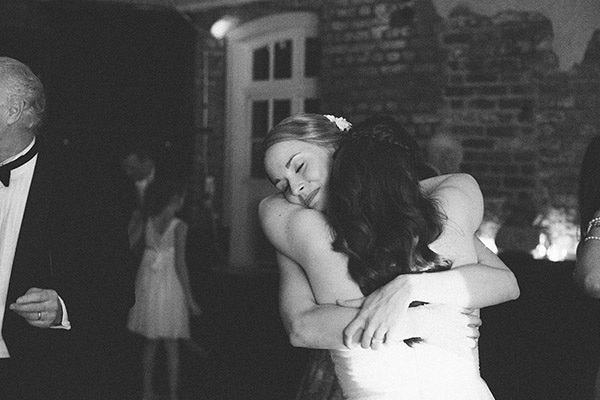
column 491, row 96
column 382, row 57
column 492, row 82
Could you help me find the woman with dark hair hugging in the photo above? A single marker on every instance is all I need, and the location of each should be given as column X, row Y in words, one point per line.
column 361, row 193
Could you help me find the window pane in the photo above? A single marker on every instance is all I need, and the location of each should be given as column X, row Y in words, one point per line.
column 283, row 59
column 312, row 106
column 312, row 60
column 260, row 64
column 281, row 109
column 260, row 118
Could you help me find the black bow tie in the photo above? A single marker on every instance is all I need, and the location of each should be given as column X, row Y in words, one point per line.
column 6, row 168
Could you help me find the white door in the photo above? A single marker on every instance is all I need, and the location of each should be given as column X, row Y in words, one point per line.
column 272, row 67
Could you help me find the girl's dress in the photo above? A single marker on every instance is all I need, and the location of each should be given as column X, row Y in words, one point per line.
column 160, row 310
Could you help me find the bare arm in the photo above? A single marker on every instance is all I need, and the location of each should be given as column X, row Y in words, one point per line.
column 320, row 326
column 478, row 277
column 587, row 266
column 485, row 283
column 310, row 324
column 478, row 280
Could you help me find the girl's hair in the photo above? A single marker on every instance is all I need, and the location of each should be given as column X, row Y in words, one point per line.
column 160, row 193
column 379, row 216
column 311, row 128
column 589, row 184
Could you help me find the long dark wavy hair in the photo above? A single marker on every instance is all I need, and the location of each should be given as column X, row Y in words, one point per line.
column 379, row 216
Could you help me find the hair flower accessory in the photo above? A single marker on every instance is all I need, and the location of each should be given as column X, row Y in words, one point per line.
column 341, row 123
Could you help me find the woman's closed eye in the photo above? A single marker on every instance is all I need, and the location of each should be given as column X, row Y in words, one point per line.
column 299, row 167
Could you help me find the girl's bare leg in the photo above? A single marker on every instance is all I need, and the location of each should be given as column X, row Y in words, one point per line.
column 172, row 347
column 148, row 361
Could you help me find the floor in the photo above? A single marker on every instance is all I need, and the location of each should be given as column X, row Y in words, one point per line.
column 248, row 355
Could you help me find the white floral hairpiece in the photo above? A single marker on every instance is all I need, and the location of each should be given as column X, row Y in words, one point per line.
column 341, row 123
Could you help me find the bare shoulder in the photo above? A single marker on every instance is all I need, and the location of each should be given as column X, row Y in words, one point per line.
column 274, row 205
column 461, row 200
column 291, row 227
column 275, row 211
column 460, row 181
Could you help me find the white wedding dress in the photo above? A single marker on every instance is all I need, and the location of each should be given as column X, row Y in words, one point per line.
column 401, row 372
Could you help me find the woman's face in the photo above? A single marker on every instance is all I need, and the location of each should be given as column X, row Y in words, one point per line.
column 300, row 171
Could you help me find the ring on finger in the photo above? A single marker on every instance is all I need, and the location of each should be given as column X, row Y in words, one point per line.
column 376, row 340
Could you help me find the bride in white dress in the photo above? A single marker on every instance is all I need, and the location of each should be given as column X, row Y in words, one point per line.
column 432, row 367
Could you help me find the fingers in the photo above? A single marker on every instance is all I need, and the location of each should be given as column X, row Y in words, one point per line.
column 34, row 295
column 353, row 332
column 472, row 343
column 367, row 338
column 31, row 316
column 475, row 323
column 39, row 307
column 473, row 330
column 40, row 319
column 373, row 339
column 27, row 307
column 354, row 303
column 378, row 340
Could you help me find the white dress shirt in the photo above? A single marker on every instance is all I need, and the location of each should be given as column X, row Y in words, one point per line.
column 12, row 208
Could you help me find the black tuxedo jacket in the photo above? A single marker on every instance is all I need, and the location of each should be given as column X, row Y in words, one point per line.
column 71, row 240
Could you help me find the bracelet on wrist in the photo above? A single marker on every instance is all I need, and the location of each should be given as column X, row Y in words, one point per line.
column 594, row 222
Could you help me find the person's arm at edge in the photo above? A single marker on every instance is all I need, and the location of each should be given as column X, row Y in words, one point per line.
column 587, row 266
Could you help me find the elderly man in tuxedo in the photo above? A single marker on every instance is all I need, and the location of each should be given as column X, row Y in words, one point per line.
column 66, row 284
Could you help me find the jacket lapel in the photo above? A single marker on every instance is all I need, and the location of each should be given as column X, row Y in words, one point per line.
column 32, row 263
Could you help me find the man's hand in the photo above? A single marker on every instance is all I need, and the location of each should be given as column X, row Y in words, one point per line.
column 39, row 307
column 381, row 314
column 453, row 328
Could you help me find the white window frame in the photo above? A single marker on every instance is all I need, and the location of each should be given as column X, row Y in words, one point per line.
column 242, row 192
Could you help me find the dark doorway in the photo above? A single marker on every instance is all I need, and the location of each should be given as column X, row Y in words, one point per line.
column 113, row 74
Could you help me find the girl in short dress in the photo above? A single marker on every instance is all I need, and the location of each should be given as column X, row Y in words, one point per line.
column 164, row 298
